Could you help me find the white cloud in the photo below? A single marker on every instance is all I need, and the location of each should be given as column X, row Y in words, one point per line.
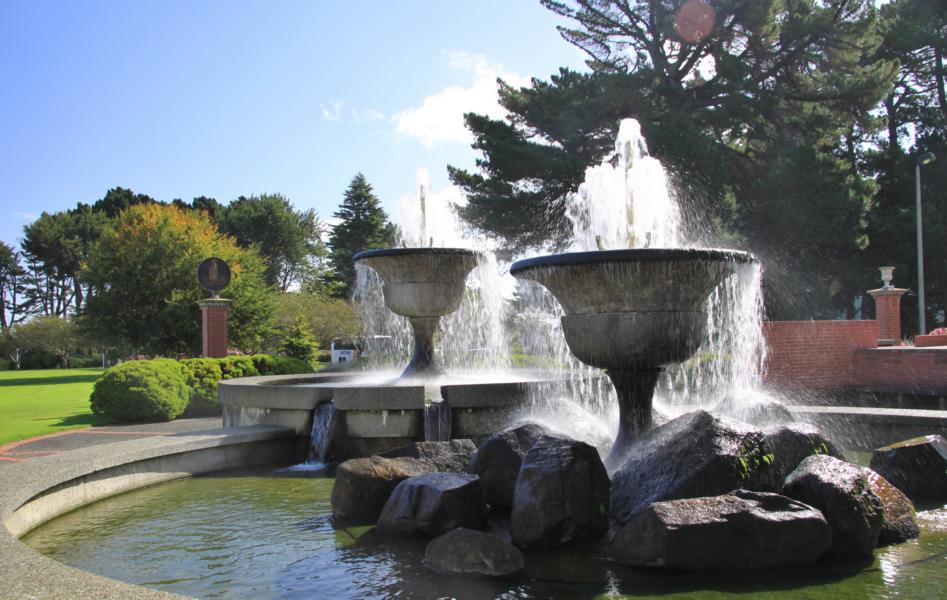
column 440, row 117
column 334, row 112
column 367, row 115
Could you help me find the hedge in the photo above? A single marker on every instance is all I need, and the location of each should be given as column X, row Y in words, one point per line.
column 164, row 389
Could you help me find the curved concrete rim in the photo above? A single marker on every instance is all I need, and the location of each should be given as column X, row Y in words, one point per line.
column 41, row 489
column 636, row 255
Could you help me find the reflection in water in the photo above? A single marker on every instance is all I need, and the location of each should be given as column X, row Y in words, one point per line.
column 266, row 536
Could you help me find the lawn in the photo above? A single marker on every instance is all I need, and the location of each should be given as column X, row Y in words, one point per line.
column 38, row 402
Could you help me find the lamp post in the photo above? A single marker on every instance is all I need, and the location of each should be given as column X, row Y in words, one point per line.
column 920, row 159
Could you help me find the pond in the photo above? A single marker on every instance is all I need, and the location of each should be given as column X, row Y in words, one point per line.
column 268, row 535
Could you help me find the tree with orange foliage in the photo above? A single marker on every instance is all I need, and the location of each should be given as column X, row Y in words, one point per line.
column 143, row 272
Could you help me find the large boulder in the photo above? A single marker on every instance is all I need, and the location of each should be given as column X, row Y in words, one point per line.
column 362, row 485
column 561, row 494
column 498, row 459
column 843, row 493
column 917, row 467
column 786, row 446
column 694, row 455
column 739, row 530
column 467, row 552
column 898, row 517
column 433, row 504
column 449, row 457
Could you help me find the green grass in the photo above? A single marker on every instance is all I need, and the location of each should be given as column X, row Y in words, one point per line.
column 38, row 402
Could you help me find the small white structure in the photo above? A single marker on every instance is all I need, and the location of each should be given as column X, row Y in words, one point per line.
column 344, row 351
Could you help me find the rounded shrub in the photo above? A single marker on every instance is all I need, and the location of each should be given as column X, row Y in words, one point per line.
column 202, row 377
column 237, row 366
column 145, row 390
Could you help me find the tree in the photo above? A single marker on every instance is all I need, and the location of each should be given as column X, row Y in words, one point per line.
column 770, row 97
column 10, row 346
column 326, row 317
column 299, row 343
column 143, row 270
column 55, row 335
column 289, row 240
column 13, row 304
column 118, row 199
column 363, row 224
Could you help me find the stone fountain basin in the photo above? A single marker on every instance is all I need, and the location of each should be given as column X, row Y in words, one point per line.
column 633, row 309
column 422, row 282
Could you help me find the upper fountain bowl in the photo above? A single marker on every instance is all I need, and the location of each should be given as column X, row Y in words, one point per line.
column 422, row 282
column 635, row 309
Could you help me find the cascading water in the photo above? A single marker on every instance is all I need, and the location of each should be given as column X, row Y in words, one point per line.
column 323, row 426
column 626, row 202
column 472, row 338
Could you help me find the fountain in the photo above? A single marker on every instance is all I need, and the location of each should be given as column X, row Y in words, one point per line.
column 632, row 312
column 422, row 284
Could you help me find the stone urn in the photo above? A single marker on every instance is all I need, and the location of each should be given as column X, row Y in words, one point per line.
column 422, row 284
column 632, row 313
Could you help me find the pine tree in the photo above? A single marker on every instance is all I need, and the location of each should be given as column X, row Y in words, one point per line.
column 363, row 225
column 299, row 342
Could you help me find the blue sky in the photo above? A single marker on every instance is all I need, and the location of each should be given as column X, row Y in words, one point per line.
column 178, row 99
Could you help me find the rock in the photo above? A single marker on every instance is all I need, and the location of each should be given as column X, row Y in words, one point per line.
column 843, row 493
column 433, row 504
column 755, row 408
column 362, row 485
column 498, row 459
column 899, row 521
column 561, row 494
column 465, row 551
column 739, row 530
column 449, row 457
column 788, row 445
column 692, row 456
column 917, row 467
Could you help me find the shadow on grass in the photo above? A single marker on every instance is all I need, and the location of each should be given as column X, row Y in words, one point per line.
column 84, row 378
column 77, row 420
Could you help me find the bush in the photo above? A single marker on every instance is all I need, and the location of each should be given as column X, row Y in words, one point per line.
column 84, row 362
column 5, row 365
column 39, row 359
column 233, row 367
column 145, row 390
column 202, row 377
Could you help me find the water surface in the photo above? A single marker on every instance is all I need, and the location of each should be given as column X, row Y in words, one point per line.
column 263, row 535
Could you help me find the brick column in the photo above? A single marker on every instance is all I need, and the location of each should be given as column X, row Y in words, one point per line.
column 214, row 327
column 888, row 314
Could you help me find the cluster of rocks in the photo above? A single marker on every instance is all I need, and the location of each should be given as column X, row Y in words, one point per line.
column 699, row 492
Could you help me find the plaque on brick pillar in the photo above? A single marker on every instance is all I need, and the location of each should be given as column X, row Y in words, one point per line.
column 888, row 309
column 213, row 275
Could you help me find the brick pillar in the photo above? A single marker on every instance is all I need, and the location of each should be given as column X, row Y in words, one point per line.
column 888, row 314
column 214, row 327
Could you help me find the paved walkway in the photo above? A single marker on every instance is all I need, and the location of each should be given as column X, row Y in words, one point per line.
column 62, row 441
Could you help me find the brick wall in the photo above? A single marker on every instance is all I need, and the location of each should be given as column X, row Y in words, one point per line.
column 815, row 354
column 922, row 370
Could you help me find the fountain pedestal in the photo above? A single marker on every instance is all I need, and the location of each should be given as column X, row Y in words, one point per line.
column 632, row 312
column 422, row 284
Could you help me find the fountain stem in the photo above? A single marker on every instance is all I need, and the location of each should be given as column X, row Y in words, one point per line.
column 635, row 391
column 422, row 362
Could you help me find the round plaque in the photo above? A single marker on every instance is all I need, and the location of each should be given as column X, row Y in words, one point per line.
column 213, row 274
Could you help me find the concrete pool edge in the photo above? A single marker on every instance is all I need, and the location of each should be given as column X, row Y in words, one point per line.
column 38, row 490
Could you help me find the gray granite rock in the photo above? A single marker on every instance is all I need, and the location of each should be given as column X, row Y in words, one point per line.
column 917, row 467
column 449, row 457
column 465, row 551
column 362, row 485
column 694, row 455
column 739, row 530
column 786, row 446
column 899, row 521
column 561, row 494
column 843, row 493
column 434, row 503
column 498, row 459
